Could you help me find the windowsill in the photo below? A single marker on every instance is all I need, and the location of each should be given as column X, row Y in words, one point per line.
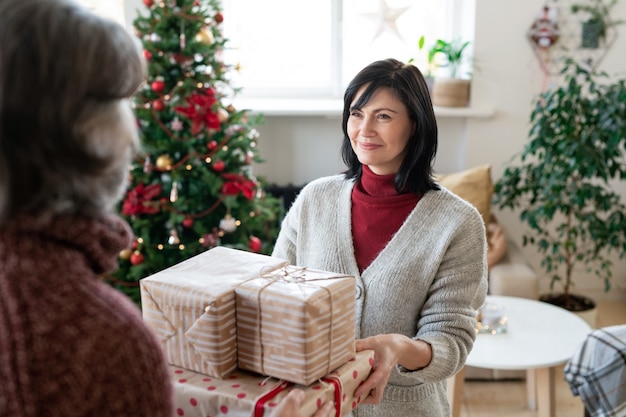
column 334, row 108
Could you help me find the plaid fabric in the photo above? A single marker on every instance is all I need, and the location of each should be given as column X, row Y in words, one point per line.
column 597, row 372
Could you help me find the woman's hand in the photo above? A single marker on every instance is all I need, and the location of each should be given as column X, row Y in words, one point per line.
column 291, row 404
column 390, row 350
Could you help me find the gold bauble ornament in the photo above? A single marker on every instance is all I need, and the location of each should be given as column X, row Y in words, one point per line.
column 205, row 36
column 164, row 162
column 125, row 254
column 222, row 115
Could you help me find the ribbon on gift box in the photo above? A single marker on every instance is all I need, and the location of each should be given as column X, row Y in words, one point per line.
column 336, row 382
column 270, row 395
column 265, row 398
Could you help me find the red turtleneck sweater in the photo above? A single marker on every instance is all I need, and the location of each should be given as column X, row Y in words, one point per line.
column 378, row 211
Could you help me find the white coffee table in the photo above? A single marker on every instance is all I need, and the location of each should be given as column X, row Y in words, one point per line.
column 540, row 337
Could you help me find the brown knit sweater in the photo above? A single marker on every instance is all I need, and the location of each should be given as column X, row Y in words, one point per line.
column 70, row 345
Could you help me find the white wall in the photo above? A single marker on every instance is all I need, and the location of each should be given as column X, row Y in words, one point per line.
column 299, row 149
column 509, row 77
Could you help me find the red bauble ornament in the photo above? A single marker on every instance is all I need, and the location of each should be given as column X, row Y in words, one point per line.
column 181, row 58
column 147, row 54
column 136, row 258
column 158, row 105
column 254, row 244
column 210, row 240
column 157, row 86
column 188, row 222
column 219, row 166
column 135, row 244
column 219, row 18
column 211, row 145
column 148, row 3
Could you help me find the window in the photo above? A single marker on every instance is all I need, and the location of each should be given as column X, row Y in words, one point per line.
column 312, row 49
column 113, row 9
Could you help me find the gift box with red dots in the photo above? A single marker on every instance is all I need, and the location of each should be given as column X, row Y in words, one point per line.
column 191, row 307
column 246, row 394
column 296, row 324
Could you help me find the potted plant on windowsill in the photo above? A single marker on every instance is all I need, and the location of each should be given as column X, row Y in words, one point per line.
column 560, row 181
column 453, row 90
column 594, row 29
column 428, row 68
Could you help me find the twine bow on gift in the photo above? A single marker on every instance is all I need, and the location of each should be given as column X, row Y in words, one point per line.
column 287, row 273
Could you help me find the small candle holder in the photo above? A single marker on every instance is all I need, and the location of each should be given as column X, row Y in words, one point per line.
column 491, row 319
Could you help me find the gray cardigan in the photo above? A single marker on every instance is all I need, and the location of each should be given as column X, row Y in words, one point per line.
column 427, row 283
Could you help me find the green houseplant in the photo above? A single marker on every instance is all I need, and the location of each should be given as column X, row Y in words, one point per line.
column 453, row 90
column 453, row 53
column 561, row 180
column 429, row 67
column 595, row 27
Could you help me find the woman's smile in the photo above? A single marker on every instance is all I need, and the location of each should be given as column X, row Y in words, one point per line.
column 368, row 146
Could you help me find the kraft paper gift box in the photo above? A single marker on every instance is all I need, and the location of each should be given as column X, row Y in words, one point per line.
column 295, row 324
column 191, row 307
column 246, row 394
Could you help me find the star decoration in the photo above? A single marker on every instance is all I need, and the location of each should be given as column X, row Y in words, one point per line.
column 386, row 18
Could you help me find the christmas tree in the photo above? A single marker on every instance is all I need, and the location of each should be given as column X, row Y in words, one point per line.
column 192, row 187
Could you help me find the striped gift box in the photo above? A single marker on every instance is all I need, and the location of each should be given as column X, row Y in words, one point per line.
column 191, row 307
column 295, row 324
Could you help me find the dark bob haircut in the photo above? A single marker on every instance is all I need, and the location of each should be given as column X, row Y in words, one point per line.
column 407, row 84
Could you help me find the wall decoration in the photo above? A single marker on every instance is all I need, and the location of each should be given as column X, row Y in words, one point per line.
column 544, row 34
column 558, row 31
column 386, row 18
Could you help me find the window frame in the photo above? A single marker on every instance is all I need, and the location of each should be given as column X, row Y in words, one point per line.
column 459, row 25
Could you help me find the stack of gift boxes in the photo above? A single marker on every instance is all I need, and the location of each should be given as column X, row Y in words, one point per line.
column 240, row 330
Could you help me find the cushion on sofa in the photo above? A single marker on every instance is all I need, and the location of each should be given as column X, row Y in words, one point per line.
column 475, row 186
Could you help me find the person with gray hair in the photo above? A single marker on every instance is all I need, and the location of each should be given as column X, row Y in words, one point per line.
column 70, row 345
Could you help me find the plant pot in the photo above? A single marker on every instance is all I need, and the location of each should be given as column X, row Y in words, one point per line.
column 582, row 306
column 451, row 92
column 591, row 34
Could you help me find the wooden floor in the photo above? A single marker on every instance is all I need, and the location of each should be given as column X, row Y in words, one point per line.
column 508, row 398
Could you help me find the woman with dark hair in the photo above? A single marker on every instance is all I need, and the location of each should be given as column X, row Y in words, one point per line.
column 418, row 252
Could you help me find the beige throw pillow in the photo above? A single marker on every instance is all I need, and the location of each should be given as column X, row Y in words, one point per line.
column 474, row 185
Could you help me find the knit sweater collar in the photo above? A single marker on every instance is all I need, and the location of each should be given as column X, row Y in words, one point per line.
column 377, row 185
column 98, row 239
